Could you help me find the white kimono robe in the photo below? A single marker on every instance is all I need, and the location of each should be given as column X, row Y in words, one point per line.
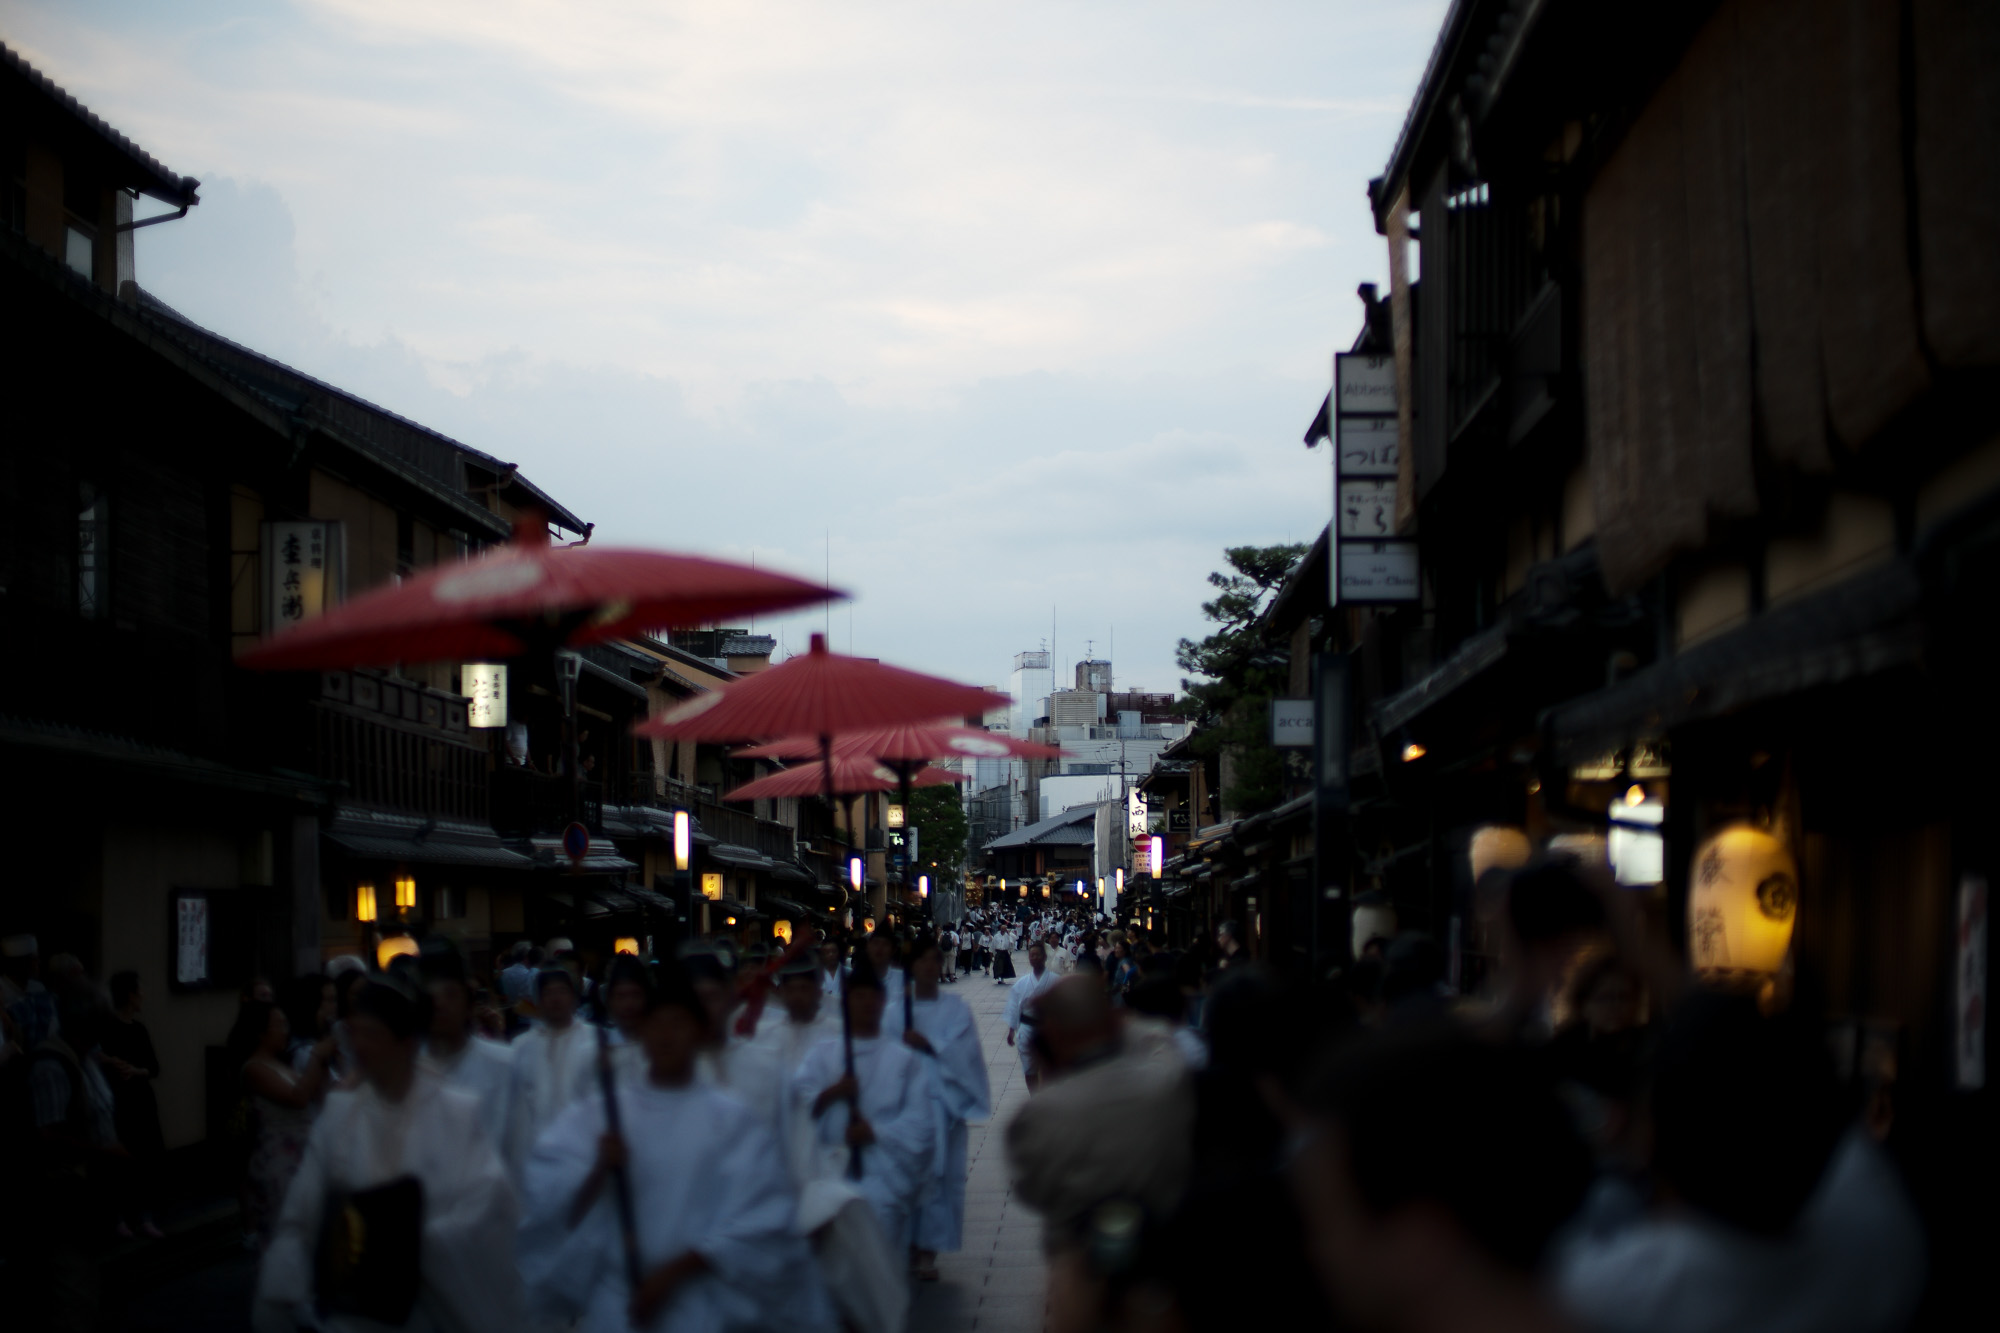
column 705, row 1176
column 1026, row 987
column 437, row 1135
column 960, row 1093
column 552, row 1068
column 896, row 1103
column 485, row 1069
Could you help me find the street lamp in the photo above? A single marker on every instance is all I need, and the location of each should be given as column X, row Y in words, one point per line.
column 854, row 873
column 683, row 840
column 923, row 886
column 1157, row 854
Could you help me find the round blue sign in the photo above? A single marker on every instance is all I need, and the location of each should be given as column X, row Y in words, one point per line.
column 576, row 841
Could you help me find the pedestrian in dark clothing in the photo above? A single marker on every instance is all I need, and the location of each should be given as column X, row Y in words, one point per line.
column 125, row 1050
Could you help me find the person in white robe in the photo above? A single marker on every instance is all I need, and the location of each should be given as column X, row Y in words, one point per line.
column 623, row 995
column 400, row 1121
column 762, row 1067
column 880, row 950
column 555, row 1061
column 1020, row 1017
column 830, row 970
column 942, row 1031
column 862, row 1269
column 884, row 1108
column 713, row 1206
column 470, row 1063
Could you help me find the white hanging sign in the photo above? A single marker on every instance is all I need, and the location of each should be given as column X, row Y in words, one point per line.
column 485, row 687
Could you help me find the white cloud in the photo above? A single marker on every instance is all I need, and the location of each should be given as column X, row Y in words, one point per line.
column 1026, row 303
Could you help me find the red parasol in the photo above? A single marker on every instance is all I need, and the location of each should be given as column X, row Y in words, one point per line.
column 819, row 694
column 851, row 775
column 529, row 597
column 909, row 743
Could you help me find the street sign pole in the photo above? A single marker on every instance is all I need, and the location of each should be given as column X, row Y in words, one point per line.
column 1331, row 900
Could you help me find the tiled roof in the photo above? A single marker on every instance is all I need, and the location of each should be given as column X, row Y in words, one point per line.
column 1071, row 828
column 436, row 455
column 147, row 174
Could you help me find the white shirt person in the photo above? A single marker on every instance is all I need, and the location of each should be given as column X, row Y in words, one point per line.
column 713, row 1204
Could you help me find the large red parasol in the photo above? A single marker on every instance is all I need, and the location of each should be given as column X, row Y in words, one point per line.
column 529, row 597
column 909, row 743
column 819, row 694
column 851, row 775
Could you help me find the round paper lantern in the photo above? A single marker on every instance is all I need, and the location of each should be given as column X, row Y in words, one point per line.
column 1497, row 847
column 1743, row 898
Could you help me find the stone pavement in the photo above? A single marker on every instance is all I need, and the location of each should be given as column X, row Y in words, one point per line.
column 997, row 1283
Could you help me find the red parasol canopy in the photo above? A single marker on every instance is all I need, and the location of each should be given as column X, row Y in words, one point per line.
column 909, row 743
column 818, row 694
column 529, row 596
column 852, row 775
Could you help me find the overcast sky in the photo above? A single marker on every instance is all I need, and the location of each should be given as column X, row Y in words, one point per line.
column 1026, row 305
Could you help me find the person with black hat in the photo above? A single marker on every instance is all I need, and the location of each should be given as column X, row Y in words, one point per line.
column 555, row 1060
column 940, row 1027
column 761, row 1068
column 713, row 1243
column 401, row 1212
column 460, row 1058
column 879, row 1117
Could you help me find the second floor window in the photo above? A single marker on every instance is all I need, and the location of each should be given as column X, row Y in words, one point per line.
column 80, row 251
column 92, row 538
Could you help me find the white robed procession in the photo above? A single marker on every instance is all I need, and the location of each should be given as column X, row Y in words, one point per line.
column 677, row 1169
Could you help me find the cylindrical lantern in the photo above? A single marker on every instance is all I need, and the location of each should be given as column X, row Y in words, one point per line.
column 406, row 892
column 364, row 902
column 923, row 886
column 1743, row 898
column 683, row 840
column 854, row 873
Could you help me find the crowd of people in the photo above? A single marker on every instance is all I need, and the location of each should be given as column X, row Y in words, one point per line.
column 708, row 1141
column 80, row 1140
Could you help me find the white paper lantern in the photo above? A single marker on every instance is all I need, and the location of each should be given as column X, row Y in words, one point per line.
column 1497, row 847
column 1743, row 898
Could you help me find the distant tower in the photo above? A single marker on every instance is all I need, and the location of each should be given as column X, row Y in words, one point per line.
column 1094, row 674
column 1029, row 684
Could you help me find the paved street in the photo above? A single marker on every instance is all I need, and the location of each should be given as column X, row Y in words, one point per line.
column 996, row 1284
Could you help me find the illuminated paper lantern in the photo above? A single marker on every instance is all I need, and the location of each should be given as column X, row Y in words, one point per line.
column 364, row 902
column 1743, row 900
column 1497, row 847
column 626, row 944
column 392, row 948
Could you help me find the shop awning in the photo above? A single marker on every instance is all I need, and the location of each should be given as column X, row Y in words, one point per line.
column 742, row 911
column 601, row 859
column 791, row 872
column 1474, row 657
column 785, row 907
column 741, row 858
column 378, row 836
column 1865, row 625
